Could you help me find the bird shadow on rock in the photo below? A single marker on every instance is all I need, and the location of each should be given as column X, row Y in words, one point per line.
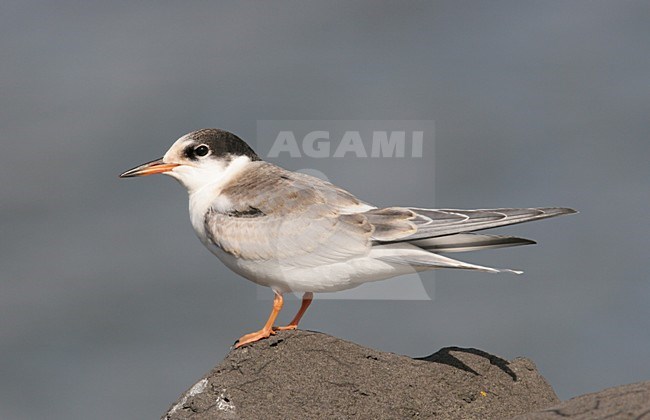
column 444, row 356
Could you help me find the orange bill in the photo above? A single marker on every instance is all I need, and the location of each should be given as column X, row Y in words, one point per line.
column 149, row 168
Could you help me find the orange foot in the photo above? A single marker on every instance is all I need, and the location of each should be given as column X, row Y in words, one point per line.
column 285, row 328
column 253, row 337
column 306, row 301
column 269, row 329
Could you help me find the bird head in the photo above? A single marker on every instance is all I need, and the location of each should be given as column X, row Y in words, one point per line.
column 199, row 158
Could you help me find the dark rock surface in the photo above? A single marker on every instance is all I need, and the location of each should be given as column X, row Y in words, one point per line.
column 621, row 402
column 305, row 375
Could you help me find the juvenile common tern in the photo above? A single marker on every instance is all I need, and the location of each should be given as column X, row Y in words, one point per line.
column 296, row 233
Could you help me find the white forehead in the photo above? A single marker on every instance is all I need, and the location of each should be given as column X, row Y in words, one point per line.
column 176, row 150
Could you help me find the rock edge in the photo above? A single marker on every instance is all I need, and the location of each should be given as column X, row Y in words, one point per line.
column 306, row 374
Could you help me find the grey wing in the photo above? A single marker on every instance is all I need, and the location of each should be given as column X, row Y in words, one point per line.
column 289, row 218
column 432, row 223
column 433, row 231
column 300, row 220
column 409, row 224
column 463, row 242
column 276, row 191
column 312, row 238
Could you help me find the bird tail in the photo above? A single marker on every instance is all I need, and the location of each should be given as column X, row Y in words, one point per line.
column 420, row 259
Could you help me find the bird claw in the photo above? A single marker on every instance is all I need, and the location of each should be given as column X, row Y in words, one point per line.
column 289, row 327
column 255, row 336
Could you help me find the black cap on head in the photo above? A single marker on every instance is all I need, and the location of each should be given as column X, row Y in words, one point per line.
column 220, row 142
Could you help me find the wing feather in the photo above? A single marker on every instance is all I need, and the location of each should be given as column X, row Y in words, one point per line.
column 431, row 223
column 463, row 242
column 298, row 221
column 301, row 221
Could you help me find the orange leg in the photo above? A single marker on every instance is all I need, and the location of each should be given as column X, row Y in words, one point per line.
column 267, row 331
column 306, row 301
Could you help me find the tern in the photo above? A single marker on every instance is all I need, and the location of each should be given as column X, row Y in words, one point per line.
column 296, row 233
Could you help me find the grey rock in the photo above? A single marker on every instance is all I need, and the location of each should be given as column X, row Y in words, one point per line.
column 304, row 375
column 621, row 402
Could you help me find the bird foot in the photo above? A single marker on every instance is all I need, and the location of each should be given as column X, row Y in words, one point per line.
column 253, row 337
column 286, row 328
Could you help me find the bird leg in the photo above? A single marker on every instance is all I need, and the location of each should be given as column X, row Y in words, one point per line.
column 306, row 301
column 267, row 331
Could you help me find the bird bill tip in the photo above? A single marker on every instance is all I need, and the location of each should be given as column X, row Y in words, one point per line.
column 150, row 168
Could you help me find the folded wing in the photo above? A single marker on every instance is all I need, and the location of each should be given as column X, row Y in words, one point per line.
column 399, row 224
column 302, row 221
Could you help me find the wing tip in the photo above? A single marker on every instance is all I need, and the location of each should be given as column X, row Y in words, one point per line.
column 559, row 210
column 500, row 270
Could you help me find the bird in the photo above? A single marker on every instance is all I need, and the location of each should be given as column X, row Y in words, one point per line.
column 296, row 233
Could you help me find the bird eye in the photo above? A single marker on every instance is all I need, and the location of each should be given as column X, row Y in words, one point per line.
column 201, row 150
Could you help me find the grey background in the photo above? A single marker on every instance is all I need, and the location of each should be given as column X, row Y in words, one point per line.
column 106, row 295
